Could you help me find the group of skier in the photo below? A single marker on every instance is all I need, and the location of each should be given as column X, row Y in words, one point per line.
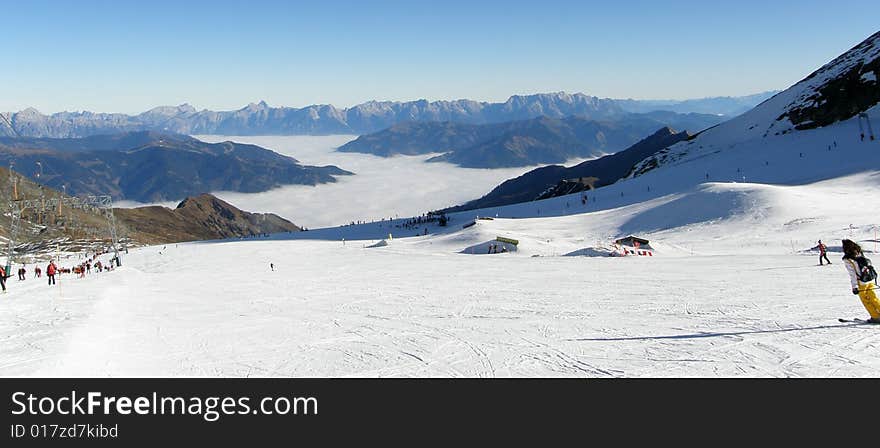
column 52, row 270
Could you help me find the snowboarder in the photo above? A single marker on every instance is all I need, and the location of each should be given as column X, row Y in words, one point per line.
column 823, row 253
column 855, row 261
column 50, row 272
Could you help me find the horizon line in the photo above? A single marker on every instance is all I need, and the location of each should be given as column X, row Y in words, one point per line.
column 384, row 101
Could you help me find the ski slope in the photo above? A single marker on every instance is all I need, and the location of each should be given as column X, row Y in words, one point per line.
column 732, row 291
column 734, row 288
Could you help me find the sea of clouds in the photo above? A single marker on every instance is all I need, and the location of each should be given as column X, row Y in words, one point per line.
column 382, row 187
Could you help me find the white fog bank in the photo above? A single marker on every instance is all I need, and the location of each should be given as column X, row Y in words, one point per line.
column 381, row 187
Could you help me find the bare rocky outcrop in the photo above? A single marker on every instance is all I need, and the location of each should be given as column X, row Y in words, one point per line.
column 202, row 217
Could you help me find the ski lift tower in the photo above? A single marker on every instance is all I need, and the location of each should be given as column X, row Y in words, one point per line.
column 102, row 203
column 15, row 219
column 42, row 212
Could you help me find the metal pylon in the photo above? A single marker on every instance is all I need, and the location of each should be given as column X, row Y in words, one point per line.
column 101, row 203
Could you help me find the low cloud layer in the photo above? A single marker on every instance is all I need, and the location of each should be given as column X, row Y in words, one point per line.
column 382, row 187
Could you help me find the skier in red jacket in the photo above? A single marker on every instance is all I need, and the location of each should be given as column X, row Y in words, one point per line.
column 50, row 272
column 823, row 253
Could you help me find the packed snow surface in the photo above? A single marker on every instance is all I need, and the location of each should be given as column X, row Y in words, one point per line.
column 729, row 296
column 733, row 289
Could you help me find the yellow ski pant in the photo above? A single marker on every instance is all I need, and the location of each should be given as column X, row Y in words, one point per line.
column 869, row 299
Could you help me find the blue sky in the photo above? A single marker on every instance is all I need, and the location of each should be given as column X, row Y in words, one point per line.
column 121, row 56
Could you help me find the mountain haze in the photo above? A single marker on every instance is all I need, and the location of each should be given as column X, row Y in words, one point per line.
column 724, row 105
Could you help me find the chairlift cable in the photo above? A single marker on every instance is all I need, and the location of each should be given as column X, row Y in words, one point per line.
column 8, row 123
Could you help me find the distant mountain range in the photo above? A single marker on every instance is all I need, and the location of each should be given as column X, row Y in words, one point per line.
column 151, row 167
column 722, row 105
column 522, row 143
column 555, row 180
column 261, row 119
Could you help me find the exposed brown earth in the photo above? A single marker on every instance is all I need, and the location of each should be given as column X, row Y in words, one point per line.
column 203, row 217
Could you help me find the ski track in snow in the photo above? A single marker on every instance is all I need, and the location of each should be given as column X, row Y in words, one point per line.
column 417, row 314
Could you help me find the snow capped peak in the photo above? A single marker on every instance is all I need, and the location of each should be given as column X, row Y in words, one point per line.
column 836, row 92
column 186, row 107
column 170, row 111
column 29, row 112
column 262, row 105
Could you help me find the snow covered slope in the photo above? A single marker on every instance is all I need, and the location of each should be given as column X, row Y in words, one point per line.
column 733, row 290
column 837, row 92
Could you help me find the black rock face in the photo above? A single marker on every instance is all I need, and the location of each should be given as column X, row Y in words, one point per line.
column 842, row 97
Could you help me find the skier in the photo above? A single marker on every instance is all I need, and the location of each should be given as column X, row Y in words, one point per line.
column 3, row 278
column 823, row 253
column 854, row 261
column 38, row 272
column 50, row 272
column 21, row 272
column 272, row 266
